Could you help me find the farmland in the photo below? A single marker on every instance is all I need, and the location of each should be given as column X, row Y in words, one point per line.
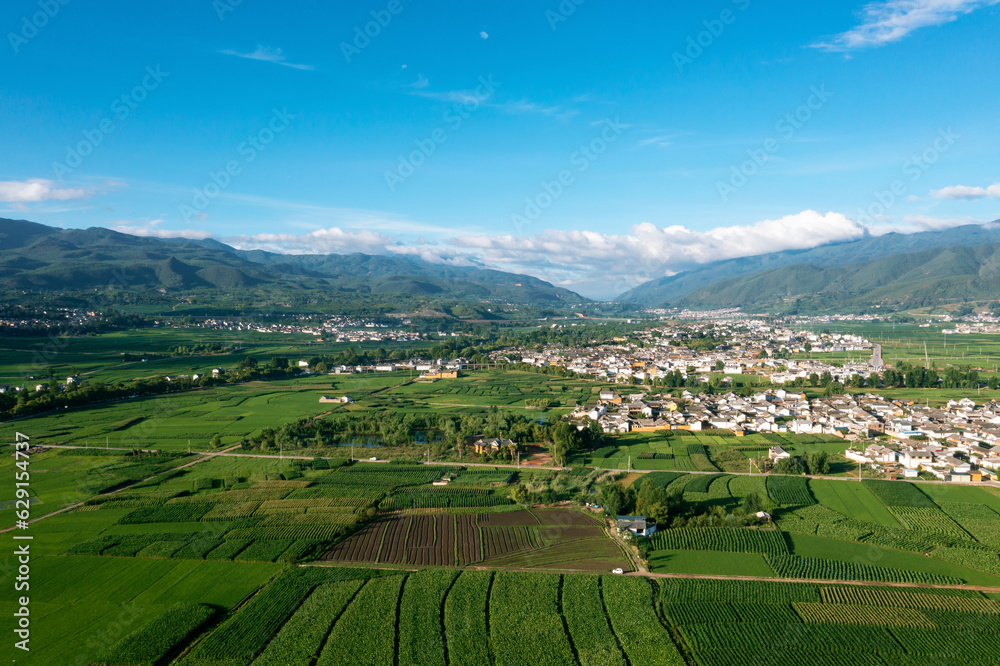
column 699, row 451
column 543, row 539
column 471, row 617
column 453, row 560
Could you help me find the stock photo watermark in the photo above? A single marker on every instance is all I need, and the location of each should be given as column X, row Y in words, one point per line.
column 32, row 24
column 562, row 12
column 365, row 34
column 581, row 160
column 714, row 28
column 122, row 108
column 248, row 150
column 224, row 7
column 786, row 128
column 913, row 170
column 454, row 117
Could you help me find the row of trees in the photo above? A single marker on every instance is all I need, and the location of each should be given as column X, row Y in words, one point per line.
column 49, row 396
column 439, row 433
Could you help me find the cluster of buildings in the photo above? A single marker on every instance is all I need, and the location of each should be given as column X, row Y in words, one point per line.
column 339, row 329
column 746, row 347
column 956, row 443
column 44, row 318
column 775, row 411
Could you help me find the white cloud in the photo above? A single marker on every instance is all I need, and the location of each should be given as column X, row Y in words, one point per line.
column 484, row 35
column 267, row 54
column 322, row 241
column 151, row 230
column 595, row 264
column 966, row 192
column 889, row 21
column 604, row 265
column 36, row 190
column 662, row 141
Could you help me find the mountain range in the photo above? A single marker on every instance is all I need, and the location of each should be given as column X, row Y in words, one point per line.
column 38, row 257
column 893, row 270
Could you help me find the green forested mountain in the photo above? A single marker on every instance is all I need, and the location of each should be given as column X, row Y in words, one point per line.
column 937, row 276
column 674, row 289
column 37, row 257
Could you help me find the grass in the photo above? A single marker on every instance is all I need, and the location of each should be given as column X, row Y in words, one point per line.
column 709, row 563
column 83, row 605
column 855, row 553
column 853, row 500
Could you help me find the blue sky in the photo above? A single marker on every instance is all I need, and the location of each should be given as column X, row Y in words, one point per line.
column 593, row 144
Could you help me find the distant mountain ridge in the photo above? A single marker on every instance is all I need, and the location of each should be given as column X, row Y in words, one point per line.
column 674, row 289
column 37, row 257
column 936, row 276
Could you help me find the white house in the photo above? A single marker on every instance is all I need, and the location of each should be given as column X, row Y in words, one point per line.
column 638, row 525
column 777, row 453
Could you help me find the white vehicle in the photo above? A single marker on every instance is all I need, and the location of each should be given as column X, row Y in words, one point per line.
column 618, row 571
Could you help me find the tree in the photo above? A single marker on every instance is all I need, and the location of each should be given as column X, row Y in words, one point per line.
column 612, row 499
column 793, row 466
column 818, row 463
column 752, row 504
column 215, row 442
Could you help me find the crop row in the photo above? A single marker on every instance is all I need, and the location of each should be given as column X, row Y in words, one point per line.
column 899, row 493
column 852, row 614
column 629, row 604
column 420, row 623
column 355, row 639
column 943, row 642
column 169, row 513
column 281, row 532
column 739, row 591
column 984, row 560
column 731, row 540
column 924, row 519
column 778, row 654
column 229, row 511
column 701, row 482
column 443, row 501
column 237, row 640
column 789, row 490
column 502, row 540
column 300, row 640
column 791, row 566
column 151, row 643
column 978, row 520
column 338, row 492
column 887, row 597
column 465, row 622
column 525, row 622
column 780, row 636
column 587, row 621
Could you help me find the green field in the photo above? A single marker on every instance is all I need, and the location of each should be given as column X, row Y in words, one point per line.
column 853, row 500
column 672, row 450
column 711, row 563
